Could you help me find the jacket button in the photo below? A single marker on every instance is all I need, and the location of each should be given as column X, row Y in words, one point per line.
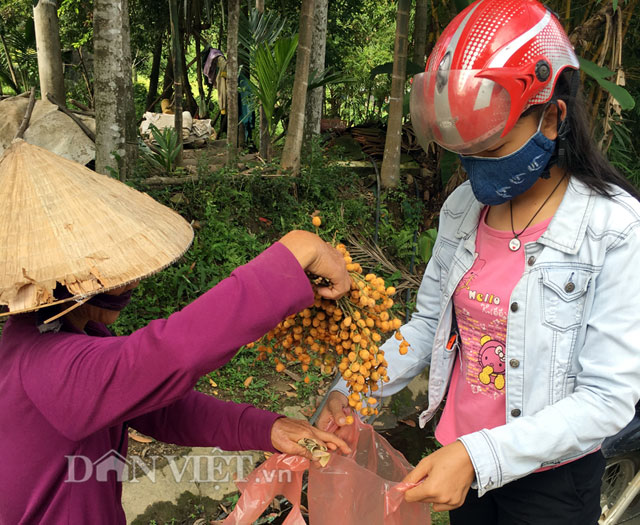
column 531, row 260
column 514, row 363
column 514, row 307
column 569, row 287
column 516, row 412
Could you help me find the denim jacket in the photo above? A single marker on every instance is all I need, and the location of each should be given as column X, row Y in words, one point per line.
column 573, row 333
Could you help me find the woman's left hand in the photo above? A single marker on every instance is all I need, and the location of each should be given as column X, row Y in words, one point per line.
column 446, row 476
column 286, row 432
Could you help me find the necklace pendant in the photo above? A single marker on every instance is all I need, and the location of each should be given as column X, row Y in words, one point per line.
column 514, row 244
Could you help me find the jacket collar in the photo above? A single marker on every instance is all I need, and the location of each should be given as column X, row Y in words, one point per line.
column 566, row 230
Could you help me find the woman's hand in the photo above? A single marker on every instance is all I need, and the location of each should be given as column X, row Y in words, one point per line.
column 321, row 259
column 333, row 411
column 286, row 432
column 446, row 476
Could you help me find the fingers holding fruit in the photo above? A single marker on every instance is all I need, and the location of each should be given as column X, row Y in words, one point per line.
column 320, row 259
column 331, row 266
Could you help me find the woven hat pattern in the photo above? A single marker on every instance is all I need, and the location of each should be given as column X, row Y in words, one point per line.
column 63, row 223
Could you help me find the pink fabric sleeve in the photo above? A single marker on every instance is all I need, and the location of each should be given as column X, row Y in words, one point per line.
column 82, row 384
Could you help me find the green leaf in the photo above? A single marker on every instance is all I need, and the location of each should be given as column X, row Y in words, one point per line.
column 448, row 165
column 426, row 241
column 387, row 68
column 623, row 97
column 271, row 63
column 600, row 75
column 594, row 70
column 328, row 76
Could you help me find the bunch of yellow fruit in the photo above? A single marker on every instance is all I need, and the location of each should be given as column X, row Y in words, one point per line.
column 344, row 334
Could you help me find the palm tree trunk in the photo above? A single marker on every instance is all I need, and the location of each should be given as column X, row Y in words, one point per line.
column 232, row 78
column 420, row 32
column 318, row 47
column 116, row 140
column 390, row 173
column 293, row 141
column 45, row 19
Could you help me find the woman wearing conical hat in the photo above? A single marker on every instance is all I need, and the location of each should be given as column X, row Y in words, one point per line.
column 69, row 389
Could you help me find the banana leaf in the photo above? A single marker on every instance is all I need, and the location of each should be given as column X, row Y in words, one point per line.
column 600, row 75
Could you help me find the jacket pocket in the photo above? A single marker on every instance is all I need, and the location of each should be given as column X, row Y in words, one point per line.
column 564, row 292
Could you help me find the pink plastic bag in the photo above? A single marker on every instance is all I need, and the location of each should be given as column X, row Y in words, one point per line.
column 363, row 487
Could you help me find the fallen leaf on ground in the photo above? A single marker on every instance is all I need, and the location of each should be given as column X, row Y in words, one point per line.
column 213, row 383
column 291, row 394
column 293, row 386
column 292, row 375
column 409, row 422
column 247, row 381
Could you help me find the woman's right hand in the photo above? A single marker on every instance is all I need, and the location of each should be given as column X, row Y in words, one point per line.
column 319, row 258
column 333, row 411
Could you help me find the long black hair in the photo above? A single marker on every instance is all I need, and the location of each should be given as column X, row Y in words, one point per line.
column 583, row 158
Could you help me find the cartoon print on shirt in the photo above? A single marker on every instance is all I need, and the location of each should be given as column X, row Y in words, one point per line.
column 492, row 360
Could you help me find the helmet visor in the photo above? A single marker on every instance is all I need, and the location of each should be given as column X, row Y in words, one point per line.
column 460, row 111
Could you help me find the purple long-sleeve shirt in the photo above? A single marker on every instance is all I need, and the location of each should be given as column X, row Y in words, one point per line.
column 70, row 394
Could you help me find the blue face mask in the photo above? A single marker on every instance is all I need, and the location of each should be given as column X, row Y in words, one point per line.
column 496, row 180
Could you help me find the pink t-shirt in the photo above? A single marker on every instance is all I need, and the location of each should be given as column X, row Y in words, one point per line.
column 481, row 301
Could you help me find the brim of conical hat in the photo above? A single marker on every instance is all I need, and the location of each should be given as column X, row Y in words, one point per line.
column 63, row 223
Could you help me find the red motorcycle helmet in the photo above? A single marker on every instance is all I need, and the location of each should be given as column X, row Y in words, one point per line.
column 493, row 61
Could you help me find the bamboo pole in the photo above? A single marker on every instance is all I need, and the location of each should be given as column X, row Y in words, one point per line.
column 177, row 73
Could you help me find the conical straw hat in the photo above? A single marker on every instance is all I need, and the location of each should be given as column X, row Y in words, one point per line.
column 63, row 223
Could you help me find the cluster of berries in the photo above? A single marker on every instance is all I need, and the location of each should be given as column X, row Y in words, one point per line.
column 344, row 334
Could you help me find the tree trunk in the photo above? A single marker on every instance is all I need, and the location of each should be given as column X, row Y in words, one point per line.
column 420, row 29
column 390, row 173
column 319, row 43
column 116, row 134
column 295, row 130
column 176, row 51
column 45, row 19
column 232, row 79
column 188, row 100
column 202, row 103
column 155, row 71
column 265, row 139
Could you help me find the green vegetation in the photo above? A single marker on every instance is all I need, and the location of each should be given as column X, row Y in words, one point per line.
column 236, row 216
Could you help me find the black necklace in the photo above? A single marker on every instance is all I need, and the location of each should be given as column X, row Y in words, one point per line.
column 514, row 244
